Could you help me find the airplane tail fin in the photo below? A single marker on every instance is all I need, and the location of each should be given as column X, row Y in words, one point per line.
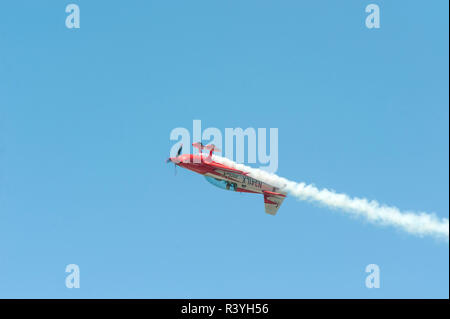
column 211, row 148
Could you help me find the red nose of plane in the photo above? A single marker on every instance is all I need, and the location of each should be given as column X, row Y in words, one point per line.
column 184, row 158
column 173, row 160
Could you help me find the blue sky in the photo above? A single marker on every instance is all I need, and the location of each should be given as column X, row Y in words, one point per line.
column 85, row 118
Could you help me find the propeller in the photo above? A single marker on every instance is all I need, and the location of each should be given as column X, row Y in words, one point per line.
column 178, row 154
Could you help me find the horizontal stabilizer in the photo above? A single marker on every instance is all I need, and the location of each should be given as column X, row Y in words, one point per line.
column 273, row 201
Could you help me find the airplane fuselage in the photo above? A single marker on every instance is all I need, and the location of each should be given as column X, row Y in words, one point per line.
column 230, row 178
column 206, row 166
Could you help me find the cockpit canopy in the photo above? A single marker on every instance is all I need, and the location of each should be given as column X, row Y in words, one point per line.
column 221, row 183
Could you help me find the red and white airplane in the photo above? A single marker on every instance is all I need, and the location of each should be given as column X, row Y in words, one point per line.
column 227, row 177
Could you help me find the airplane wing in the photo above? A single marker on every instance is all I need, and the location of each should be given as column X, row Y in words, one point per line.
column 220, row 167
column 273, row 201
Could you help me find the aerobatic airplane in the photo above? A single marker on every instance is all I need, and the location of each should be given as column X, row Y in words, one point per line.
column 227, row 177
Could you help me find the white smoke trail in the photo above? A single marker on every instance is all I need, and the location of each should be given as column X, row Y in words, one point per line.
column 420, row 224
